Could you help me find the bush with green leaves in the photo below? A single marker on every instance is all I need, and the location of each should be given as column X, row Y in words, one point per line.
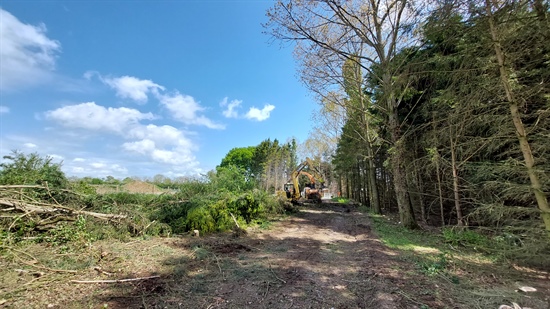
column 434, row 266
column 230, row 178
column 31, row 169
column 174, row 214
column 216, row 212
column 215, row 203
column 464, row 237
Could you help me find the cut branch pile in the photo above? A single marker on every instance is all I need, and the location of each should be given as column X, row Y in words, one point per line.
column 19, row 202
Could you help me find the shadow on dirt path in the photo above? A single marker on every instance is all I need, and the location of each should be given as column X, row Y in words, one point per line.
column 322, row 257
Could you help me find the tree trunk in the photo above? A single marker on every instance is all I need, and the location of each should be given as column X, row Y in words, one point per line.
column 536, row 186
column 460, row 221
column 440, row 191
column 406, row 214
column 340, row 186
column 276, row 171
column 418, row 179
column 348, row 195
column 374, row 200
column 366, row 190
column 385, row 190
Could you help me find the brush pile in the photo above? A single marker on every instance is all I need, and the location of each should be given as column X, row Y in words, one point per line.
column 38, row 208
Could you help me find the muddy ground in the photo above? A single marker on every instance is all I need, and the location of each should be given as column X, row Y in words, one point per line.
column 322, row 257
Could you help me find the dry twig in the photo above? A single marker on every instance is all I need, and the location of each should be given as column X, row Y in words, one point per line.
column 276, row 277
column 115, row 281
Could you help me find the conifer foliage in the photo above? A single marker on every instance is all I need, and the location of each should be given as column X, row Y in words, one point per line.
column 447, row 105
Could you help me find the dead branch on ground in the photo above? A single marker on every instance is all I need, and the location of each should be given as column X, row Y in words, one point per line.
column 115, row 281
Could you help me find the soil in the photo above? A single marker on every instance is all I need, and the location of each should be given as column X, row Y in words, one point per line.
column 322, row 257
column 135, row 186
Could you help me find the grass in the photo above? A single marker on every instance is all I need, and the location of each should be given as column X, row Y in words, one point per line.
column 454, row 262
column 340, row 200
column 399, row 237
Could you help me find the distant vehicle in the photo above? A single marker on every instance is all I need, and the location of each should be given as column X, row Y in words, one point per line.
column 310, row 192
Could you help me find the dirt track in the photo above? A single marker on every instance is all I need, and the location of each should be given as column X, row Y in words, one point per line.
column 323, row 257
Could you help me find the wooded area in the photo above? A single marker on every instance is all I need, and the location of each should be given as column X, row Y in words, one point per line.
column 445, row 105
column 432, row 135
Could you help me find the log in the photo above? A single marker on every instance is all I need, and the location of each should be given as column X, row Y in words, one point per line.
column 23, row 187
column 25, row 207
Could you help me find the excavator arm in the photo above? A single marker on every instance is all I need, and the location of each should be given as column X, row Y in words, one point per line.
column 311, row 178
column 292, row 187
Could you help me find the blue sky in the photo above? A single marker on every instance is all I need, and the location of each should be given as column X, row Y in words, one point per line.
column 139, row 88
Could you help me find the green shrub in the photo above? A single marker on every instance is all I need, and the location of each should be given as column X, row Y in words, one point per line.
column 68, row 232
column 174, row 214
column 32, row 169
column 213, row 212
column 246, row 206
column 437, row 266
column 193, row 188
column 231, row 179
column 270, row 204
column 82, row 187
column 200, row 218
column 341, row 200
column 464, row 237
column 213, row 215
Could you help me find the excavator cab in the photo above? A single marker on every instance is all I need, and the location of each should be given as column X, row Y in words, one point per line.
column 289, row 190
column 310, row 192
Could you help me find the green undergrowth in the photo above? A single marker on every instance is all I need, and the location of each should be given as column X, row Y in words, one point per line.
column 218, row 212
column 399, row 237
column 221, row 201
column 148, row 215
column 461, row 259
column 431, row 253
column 340, row 200
column 496, row 246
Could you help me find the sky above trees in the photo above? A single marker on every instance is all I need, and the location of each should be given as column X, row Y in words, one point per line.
column 144, row 88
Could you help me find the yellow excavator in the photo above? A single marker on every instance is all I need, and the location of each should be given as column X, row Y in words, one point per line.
column 311, row 193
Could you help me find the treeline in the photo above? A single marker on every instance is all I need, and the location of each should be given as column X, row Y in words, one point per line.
column 267, row 165
column 445, row 105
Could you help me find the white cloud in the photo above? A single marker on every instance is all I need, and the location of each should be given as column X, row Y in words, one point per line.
column 177, row 156
column 56, row 157
column 252, row 114
column 4, row 109
column 79, row 170
column 159, row 134
column 89, row 74
column 98, row 169
column 260, row 115
column 98, row 165
column 30, row 145
column 163, row 144
column 95, row 117
column 144, row 146
column 184, row 108
column 230, row 111
column 28, row 55
column 129, row 87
